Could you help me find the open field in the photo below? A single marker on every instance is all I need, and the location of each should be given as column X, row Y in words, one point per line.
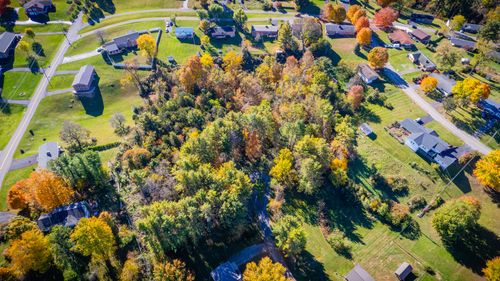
column 10, row 116
column 49, row 45
column 19, row 85
column 93, row 114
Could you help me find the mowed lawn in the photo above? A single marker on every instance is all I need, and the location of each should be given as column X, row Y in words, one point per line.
column 93, row 115
column 49, row 46
column 10, row 116
column 19, row 85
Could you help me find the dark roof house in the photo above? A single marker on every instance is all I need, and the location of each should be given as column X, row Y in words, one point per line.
column 421, row 18
column 38, row 7
column 490, row 107
column 223, row 32
column 422, row 61
column 462, row 43
column 8, row 42
column 340, row 30
column 358, row 274
column 403, row 271
column 420, row 35
column 445, row 83
column 400, row 37
column 120, row 43
column 84, row 84
column 68, row 216
column 367, row 74
column 471, row 28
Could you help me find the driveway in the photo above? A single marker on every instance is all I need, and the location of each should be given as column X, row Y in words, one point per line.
column 471, row 141
column 80, row 56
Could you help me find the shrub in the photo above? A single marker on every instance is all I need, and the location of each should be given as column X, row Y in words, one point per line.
column 416, row 203
column 339, row 243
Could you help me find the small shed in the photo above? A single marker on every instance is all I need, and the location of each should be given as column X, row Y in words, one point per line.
column 366, row 129
column 358, row 274
column 184, row 32
column 403, row 271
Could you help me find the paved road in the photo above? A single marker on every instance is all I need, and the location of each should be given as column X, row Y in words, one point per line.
column 471, row 141
column 8, row 153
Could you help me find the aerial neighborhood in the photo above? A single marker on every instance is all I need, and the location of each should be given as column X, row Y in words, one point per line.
column 249, row 140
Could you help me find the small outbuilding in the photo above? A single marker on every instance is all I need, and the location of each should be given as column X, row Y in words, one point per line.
column 403, row 271
column 85, row 81
column 366, row 129
column 46, row 152
column 358, row 274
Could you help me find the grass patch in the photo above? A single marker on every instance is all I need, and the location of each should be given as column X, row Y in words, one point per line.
column 10, row 116
column 60, row 82
column 49, row 45
column 19, row 85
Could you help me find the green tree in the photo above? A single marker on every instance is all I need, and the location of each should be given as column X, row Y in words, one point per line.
column 215, row 11
column 311, row 31
column 313, row 157
column 65, row 260
column 490, row 31
column 455, row 220
column 447, row 56
column 240, row 17
column 130, row 270
column 17, row 226
column 285, row 38
column 300, row 4
column 457, row 22
column 289, row 235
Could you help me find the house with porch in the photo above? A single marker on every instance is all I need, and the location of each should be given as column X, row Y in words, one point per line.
column 122, row 43
column 398, row 36
column 423, row 62
column 35, row 8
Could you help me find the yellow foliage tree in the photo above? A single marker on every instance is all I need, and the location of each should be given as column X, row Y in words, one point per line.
column 328, row 11
column 352, row 10
column 146, row 43
column 130, row 271
column 428, row 84
column 492, row 270
column 335, row 13
column 207, row 60
column 487, row 170
column 93, row 237
column 266, row 270
column 378, row 57
column 283, row 170
column 205, row 40
column 172, row 271
column 30, row 252
column 232, row 61
column 359, row 14
column 472, row 89
column 364, row 36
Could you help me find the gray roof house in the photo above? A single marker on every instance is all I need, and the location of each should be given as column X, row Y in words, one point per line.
column 445, row 84
column 184, row 32
column 118, row 44
column 340, row 30
column 8, row 42
column 403, row 271
column 46, row 152
column 84, row 84
column 358, row 274
column 38, row 7
column 471, row 28
column 462, row 43
column 422, row 18
column 68, row 216
column 427, row 143
column 223, row 32
column 367, row 74
column 260, row 31
column 422, row 61
column 227, row 271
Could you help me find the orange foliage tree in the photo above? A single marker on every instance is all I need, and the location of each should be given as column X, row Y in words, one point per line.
column 43, row 189
column 355, row 96
column 352, row 10
column 364, row 36
column 378, row 57
column 428, row 84
column 492, row 269
column 359, row 14
column 384, row 3
column 385, row 17
column 361, row 23
column 487, row 170
column 190, row 73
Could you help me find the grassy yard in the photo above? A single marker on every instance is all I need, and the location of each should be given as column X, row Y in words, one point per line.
column 49, row 45
column 19, row 85
column 61, row 82
column 10, row 179
column 10, row 116
column 92, row 114
column 39, row 28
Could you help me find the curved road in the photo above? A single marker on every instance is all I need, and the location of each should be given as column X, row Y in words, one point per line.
column 7, row 154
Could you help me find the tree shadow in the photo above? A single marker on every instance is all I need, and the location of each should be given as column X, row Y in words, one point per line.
column 366, row 114
column 33, row 64
column 462, row 181
column 94, row 106
column 476, row 249
column 107, row 6
column 8, row 19
column 357, row 52
column 38, row 49
column 308, row 268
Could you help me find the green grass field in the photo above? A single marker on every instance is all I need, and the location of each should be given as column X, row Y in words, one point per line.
column 10, row 116
column 61, row 82
column 19, row 85
column 49, row 44
column 94, row 115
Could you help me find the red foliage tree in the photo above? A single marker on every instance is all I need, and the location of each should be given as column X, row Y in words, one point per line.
column 385, row 17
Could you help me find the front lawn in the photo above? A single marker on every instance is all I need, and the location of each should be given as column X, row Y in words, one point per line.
column 49, row 46
column 10, row 116
column 19, row 85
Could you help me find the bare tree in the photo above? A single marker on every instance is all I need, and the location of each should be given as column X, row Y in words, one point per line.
column 118, row 123
column 75, row 136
